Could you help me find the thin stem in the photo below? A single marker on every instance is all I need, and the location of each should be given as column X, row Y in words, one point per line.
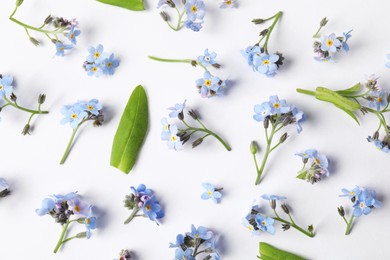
column 35, row 28
column 267, row 152
column 66, row 153
column 170, row 60
column 200, row 122
column 23, row 108
column 349, row 226
column 270, row 29
column 292, row 221
column 68, row 239
column 132, row 215
column 63, row 233
column 317, row 32
column 345, row 220
column 209, row 132
column 307, row 233
column 305, row 91
column 276, row 213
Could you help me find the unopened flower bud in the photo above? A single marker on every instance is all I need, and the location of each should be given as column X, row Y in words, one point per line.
column 216, row 65
column 13, row 97
column 287, row 121
column 180, row 115
column 266, row 122
column 305, row 160
column 388, row 98
column 19, row 2
column 97, row 123
column 283, row 138
column 54, row 41
column 209, row 256
column 310, row 228
column 193, row 114
column 26, row 129
column 48, row 19
column 264, row 32
column 323, row 22
column 81, row 235
column 124, row 254
column 194, row 63
column 375, row 136
column 197, row 142
column 341, row 211
column 258, row 21
column 81, row 220
column 170, row 3
column 285, row 227
column 285, row 208
column 34, row 41
column 185, row 138
column 164, row 16
column 273, row 204
column 4, row 193
column 183, row 1
column 253, row 147
column 41, row 99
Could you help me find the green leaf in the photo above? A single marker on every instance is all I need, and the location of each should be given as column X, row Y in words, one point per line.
column 350, row 113
column 302, row 175
column 131, row 131
column 135, row 5
column 268, row 252
column 350, row 91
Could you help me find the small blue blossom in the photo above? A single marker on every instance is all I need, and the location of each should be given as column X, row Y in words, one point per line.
column 366, row 200
column 378, row 99
column 93, row 69
column 141, row 190
column 78, row 207
column 330, row 43
column 194, row 26
column 72, row 34
column 266, row 64
column 211, row 193
column 249, row 226
column 93, row 107
column 278, row 106
column 344, row 44
column 172, row 138
column 195, row 9
column 380, row 145
column 109, row 65
column 210, row 85
column 179, row 241
column 90, row 223
column 250, row 54
column 262, row 111
column 299, row 117
column 184, row 255
column 272, row 197
column 309, row 153
column 73, row 115
column 61, row 198
column 165, row 126
column 152, row 209
column 47, row 206
column 177, row 109
column 207, row 58
column 95, row 54
column 265, row 223
column 6, row 85
column 60, row 47
column 200, row 232
column 229, row 4
column 351, row 194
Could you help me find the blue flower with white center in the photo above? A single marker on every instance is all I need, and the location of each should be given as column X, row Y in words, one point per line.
column 78, row 207
column 366, row 200
column 73, row 115
column 152, row 209
column 299, row 117
column 211, row 193
column 184, row 255
column 90, row 223
column 266, row 64
column 207, row 58
column 229, row 4
column 378, row 99
column 179, row 241
column 109, row 65
column 194, row 26
column 47, row 206
column 210, row 85
column 195, row 9
column 93, row 107
column 344, row 44
column 177, row 109
column 95, row 54
column 278, row 106
column 330, row 43
column 6, row 85
column 93, row 69
column 60, row 47
column 273, row 197
column 265, row 223
column 251, row 53
column 72, row 34
column 200, row 232
column 262, row 111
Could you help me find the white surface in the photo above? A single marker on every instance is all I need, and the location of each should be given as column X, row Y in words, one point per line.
column 30, row 163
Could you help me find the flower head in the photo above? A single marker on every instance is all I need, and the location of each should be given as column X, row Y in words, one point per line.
column 152, row 209
column 195, row 9
column 211, row 193
column 209, row 85
column 250, row 54
column 172, row 138
column 330, row 43
column 365, row 202
column 180, row 254
column 72, row 34
column 61, row 47
column 90, row 222
column 73, row 114
column 344, row 44
column 378, row 99
column 47, row 206
column 6, row 85
column 229, row 4
column 262, row 111
column 383, row 145
column 177, row 109
column 194, row 26
column 272, row 197
column 265, row 223
column 93, row 107
column 179, row 241
column 200, row 232
column 95, row 54
column 109, row 65
column 266, row 64
column 207, row 58
column 78, row 207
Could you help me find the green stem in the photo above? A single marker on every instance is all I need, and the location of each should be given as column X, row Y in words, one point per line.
column 305, row 91
column 349, row 226
column 208, row 132
column 68, row 239
column 345, row 220
column 170, row 60
column 318, row 31
column 267, row 152
column 132, row 215
column 23, row 108
column 271, row 28
column 63, row 233
column 307, row 233
column 66, row 153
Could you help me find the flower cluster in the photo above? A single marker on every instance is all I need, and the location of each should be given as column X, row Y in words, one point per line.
column 79, row 113
column 315, row 166
column 200, row 243
column 52, row 27
column 211, row 193
column 256, row 222
column 258, row 56
column 363, row 201
column 176, row 137
column 193, row 10
column 124, row 255
column 4, row 188
column 327, row 45
column 99, row 62
column 209, row 85
column 277, row 114
column 67, row 209
column 143, row 199
column 8, row 96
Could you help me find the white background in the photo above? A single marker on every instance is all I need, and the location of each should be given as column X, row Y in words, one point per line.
column 30, row 163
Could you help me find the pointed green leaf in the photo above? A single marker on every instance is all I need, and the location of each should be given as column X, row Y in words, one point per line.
column 131, row 131
column 350, row 91
column 268, row 252
column 302, row 175
column 338, row 100
column 135, row 5
column 351, row 114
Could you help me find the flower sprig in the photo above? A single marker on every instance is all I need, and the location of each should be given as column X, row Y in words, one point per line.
column 258, row 55
column 142, row 198
column 275, row 114
column 257, row 222
column 200, row 243
column 363, row 200
column 4, row 188
column 7, row 95
column 176, row 136
column 325, row 46
column 53, row 28
column 212, row 193
column 79, row 113
column 209, row 85
column 99, row 62
column 315, row 166
column 68, row 209
column 372, row 100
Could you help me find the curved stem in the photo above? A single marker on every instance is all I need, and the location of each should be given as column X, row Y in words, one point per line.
column 307, row 233
column 63, row 233
column 349, row 226
column 271, row 28
column 209, row 132
column 23, row 108
column 66, row 153
column 170, row 60
column 132, row 215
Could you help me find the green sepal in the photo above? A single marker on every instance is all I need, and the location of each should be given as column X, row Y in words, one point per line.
column 134, row 5
column 302, row 175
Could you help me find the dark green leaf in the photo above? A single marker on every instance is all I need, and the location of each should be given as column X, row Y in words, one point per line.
column 135, row 5
column 350, row 91
column 131, row 131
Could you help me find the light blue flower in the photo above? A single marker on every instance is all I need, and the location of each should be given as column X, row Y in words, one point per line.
column 266, row 64
column 184, row 255
column 249, row 226
column 299, row 117
column 93, row 107
column 72, row 34
column 165, row 127
column 250, row 53
column 90, row 223
column 378, row 99
column 330, row 43
column 273, row 197
column 60, row 47
column 211, row 193
column 351, row 194
column 6, row 85
column 207, row 58
column 3, row 185
column 262, row 111
column 278, row 106
column 93, row 69
column 211, row 246
column 179, row 241
column 228, row 4
column 177, row 109
column 309, row 153
column 365, row 202
column 194, row 26
column 344, row 45
column 95, row 54
column 141, row 190
column 61, row 198
column 73, row 115
column 172, row 138
column 78, row 207
column 200, row 232
column 47, row 206
column 265, row 223
column 210, row 85
column 195, row 9
column 379, row 144
column 152, row 209
column 109, row 65
column 320, row 160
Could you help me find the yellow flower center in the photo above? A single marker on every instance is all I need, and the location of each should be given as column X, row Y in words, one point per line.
column 317, row 161
column 88, row 221
column 73, row 116
column 276, row 105
column 207, row 83
column 90, row 107
column 380, row 99
column 173, row 138
column 362, row 205
column 109, row 64
column 94, row 69
column 194, row 9
column 71, row 36
column 77, row 207
column 228, row 2
column 166, row 127
column 265, row 62
column 147, row 207
column 329, row 43
column 250, row 227
column 62, row 48
column 263, row 223
column 210, row 193
column 97, row 55
column 1, row 87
